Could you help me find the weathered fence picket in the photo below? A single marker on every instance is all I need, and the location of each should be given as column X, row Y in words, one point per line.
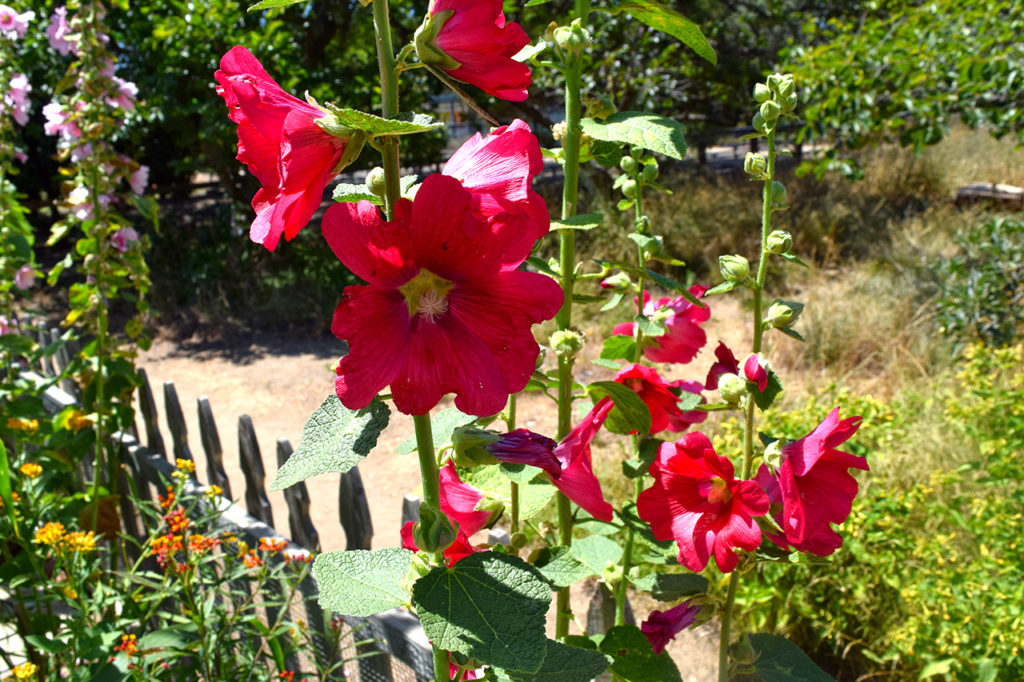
column 176, row 424
column 297, row 498
column 212, row 448
column 256, row 501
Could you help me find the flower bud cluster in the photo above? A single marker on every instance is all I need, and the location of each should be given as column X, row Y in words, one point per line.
column 776, row 97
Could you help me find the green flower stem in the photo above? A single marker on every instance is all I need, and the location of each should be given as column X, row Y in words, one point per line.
column 389, row 104
column 748, row 427
column 101, row 351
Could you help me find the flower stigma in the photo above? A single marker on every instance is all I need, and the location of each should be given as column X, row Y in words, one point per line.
column 426, row 295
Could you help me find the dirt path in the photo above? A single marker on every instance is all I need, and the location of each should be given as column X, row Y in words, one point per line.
column 280, row 381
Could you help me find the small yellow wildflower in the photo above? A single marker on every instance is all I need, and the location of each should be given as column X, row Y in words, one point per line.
column 79, row 541
column 70, row 592
column 50, row 534
column 214, row 491
column 25, row 671
column 186, row 465
column 29, row 426
column 30, row 469
column 78, row 421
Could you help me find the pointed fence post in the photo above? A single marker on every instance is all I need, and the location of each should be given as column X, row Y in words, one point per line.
column 354, row 511
column 216, row 475
column 176, row 423
column 297, row 498
column 150, row 417
column 256, row 501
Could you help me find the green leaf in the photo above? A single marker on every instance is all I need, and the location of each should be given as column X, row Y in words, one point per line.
column 597, row 552
column 792, row 333
column 721, row 288
column 562, row 663
column 585, row 221
column 764, row 399
column 671, row 586
column 651, row 244
column 650, row 131
column 689, row 401
column 613, row 301
column 634, row 659
column 779, row 660
column 361, row 582
column 542, row 266
column 674, row 285
column 559, row 566
column 534, row 493
column 5, row 490
column 607, row 364
column 349, row 193
column 269, row 4
column 650, row 326
column 335, row 439
column 619, row 347
column 629, row 414
column 441, row 426
column 487, row 606
column 667, row 20
column 405, row 124
column 793, row 258
column 608, row 154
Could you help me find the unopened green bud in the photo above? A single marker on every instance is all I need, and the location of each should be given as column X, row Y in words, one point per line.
column 732, row 388
column 619, row 282
column 566, row 342
column 770, row 111
column 773, row 455
column 434, row 531
column 779, row 242
column 650, row 172
column 778, row 192
column 572, row 38
column 426, row 34
column 734, row 268
column 643, row 226
column 469, row 446
column 783, row 314
column 758, row 122
column 787, row 86
column 628, row 165
column 352, row 150
column 762, row 93
column 375, row 182
column 493, row 506
column 755, row 165
column 518, row 541
column 629, row 188
column 788, row 104
column 774, row 81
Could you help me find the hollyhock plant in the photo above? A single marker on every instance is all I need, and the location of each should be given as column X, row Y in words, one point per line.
column 12, row 24
column 567, row 464
column 459, row 503
column 282, row 145
column 661, row 398
column 471, row 42
column 661, row 627
column 59, row 33
column 683, row 337
column 814, row 485
column 498, row 171
column 697, row 501
column 443, row 310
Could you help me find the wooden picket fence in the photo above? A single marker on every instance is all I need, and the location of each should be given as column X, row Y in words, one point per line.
column 398, row 652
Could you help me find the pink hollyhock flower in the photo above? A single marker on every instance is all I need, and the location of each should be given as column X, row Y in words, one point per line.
column 696, row 500
column 755, row 370
column 725, row 363
column 7, row 326
column 444, row 310
column 280, row 142
column 498, row 171
column 59, row 33
column 683, row 337
column 12, row 24
column 814, row 486
column 459, row 503
column 662, row 399
column 471, row 41
column 25, row 277
column 661, row 627
column 567, row 464
column 125, row 95
column 139, row 180
column 123, row 238
column 16, row 98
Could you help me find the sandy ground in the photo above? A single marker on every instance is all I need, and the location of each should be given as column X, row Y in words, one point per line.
column 280, row 381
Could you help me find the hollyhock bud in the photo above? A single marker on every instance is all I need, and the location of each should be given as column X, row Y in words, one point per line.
column 434, row 532
column 755, row 369
column 773, row 454
column 619, row 282
column 782, row 314
column 471, row 41
column 778, row 192
column 25, row 277
column 779, row 242
column 566, row 343
column 375, row 180
column 786, row 86
column 650, row 173
column 628, row 165
column 661, row 627
column 762, row 93
column 770, row 111
column 755, row 165
column 774, row 81
column 732, row 388
column 759, row 123
column 469, row 445
column 573, row 38
column 734, row 268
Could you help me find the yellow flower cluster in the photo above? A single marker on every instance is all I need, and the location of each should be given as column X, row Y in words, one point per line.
column 79, row 541
column 54, row 533
column 50, row 534
column 30, row 469
column 28, row 426
column 25, row 671
column 186, row 465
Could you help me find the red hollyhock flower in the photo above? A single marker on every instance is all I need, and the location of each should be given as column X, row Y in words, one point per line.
column 754, row 371
column 661, row 627
column 567, row 464
column 662, row 399
column 458, row 502
column 471, row 41
column 280, row 142
column 697, row 501
column 814, row 486
column 442, row 311
column 684, row 336
column 725, row 363
column 498, row 171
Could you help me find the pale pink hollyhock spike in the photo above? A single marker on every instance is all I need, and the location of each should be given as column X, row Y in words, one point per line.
column 814, row 486
column 683, row 337
column 661, row 397
column 697, row 501
column 661, row 627
column 16, row 98
column 58, row 32
column 479, row 45
column 280, row 142
column 13, row 25
column 441, row 312
column 25, row 277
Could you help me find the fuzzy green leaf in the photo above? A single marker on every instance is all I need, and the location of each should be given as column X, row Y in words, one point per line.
column 560, row 567
column 361, row 582
column 650, row 131
column 406, row 124
column 629, row 414
column 667, row 20
column 597, row 552
column 619, row 347
column 634, row 659
column 586, row 221
column 488, row 606
column 335, row 439
column 671, row 586
column 562, row 663
column 780, row 660
column 349, row 193
column 441, row 426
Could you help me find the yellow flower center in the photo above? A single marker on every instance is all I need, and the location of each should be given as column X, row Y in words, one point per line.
column 718, row 491
column 426, row 295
